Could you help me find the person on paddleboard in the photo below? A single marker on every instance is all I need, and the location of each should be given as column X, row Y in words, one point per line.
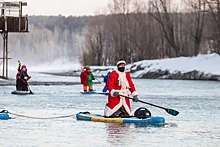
column 91, row 78
column 87, row 78
column 22, row 77
column 120, row 83
column 105, row 79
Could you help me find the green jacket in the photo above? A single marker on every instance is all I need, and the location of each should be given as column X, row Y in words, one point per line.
column 91, row 77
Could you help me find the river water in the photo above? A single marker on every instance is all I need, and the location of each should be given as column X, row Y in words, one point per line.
column 197, row 124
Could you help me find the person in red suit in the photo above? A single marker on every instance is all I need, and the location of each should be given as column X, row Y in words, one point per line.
column 84, row 78
column 120, row 83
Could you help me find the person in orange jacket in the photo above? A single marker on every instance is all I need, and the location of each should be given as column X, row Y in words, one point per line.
column 22, row 77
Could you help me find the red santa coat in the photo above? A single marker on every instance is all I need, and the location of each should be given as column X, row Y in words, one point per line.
column 122, row 82
column 84, row 77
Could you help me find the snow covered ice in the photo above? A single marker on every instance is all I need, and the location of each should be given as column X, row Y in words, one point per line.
column 206, row 64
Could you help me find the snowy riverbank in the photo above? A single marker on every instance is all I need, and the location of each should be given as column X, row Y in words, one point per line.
column 201, row 67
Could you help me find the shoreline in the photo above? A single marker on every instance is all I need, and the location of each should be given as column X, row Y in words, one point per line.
column 194, row 75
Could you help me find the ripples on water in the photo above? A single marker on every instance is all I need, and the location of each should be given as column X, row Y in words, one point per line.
column 196, row 125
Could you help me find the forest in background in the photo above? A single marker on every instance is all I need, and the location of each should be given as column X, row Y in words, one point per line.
column 137, row 30
column 133, row 30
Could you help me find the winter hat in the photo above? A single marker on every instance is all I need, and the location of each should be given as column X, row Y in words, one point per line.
column 88, row 66
column 121, row 62
column 85, row 68
column 23, row 66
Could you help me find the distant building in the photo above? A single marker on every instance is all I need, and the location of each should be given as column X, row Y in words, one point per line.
column 11, row 20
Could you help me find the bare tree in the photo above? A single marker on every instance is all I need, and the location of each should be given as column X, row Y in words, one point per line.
column 120, row 10
column 196, row 23
column 94, row 43
column 214, row 10
column 161, row 11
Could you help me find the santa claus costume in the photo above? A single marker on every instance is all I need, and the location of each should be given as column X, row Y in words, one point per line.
column 84, row 77
column 122, row 83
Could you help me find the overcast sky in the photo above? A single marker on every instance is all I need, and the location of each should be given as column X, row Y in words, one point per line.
column 71, row 7
column 63, row 7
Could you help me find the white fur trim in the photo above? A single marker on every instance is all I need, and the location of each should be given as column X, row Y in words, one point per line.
column 126, row 106
column 121, row 62
column 134, row 93
column 124, row 92
column 112, row 92
column 109, row 112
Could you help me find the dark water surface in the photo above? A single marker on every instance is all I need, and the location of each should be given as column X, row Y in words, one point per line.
column 197, row 124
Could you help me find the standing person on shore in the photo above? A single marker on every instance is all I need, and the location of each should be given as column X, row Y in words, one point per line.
column 119, row 83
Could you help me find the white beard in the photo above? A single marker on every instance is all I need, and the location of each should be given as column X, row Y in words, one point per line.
column 123, row 82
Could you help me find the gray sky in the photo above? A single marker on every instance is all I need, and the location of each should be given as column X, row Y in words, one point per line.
column 64, row 7
column 70, row 7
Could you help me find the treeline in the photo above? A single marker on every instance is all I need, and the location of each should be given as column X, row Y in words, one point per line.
column 136, row 30
column 132, row 30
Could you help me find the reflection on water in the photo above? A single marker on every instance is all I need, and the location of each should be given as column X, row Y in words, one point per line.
column 170, row 125
column 140, row 125
column 118, row 134
column 196, row 125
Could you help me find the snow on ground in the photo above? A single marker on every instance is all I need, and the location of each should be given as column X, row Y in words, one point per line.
column 208, row 64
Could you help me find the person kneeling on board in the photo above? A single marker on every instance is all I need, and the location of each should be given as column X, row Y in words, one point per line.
column 22, row 77
column 119, row 83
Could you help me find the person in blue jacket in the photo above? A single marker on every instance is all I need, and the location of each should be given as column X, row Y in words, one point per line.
column 105, row 79
column 22, row 77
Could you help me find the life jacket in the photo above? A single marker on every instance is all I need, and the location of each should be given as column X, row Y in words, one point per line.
column 23, row 75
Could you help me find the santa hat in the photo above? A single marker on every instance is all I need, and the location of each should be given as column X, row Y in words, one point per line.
column 121, row 62
column 86, row 68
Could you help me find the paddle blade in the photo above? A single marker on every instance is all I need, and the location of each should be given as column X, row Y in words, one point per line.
column 31, row 92
column 172, row 112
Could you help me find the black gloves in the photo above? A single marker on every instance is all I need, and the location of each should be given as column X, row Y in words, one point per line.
column 135, row 98
column 116, row 93
column 19, row 63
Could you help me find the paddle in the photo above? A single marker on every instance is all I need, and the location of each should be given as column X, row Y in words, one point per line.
column 29, row 89
column 104, row 93
column 99, row 81
column 170, row 111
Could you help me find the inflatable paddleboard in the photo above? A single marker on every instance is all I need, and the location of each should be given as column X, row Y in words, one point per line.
column 4, row 116
column 21, row 92
column 157, row 120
